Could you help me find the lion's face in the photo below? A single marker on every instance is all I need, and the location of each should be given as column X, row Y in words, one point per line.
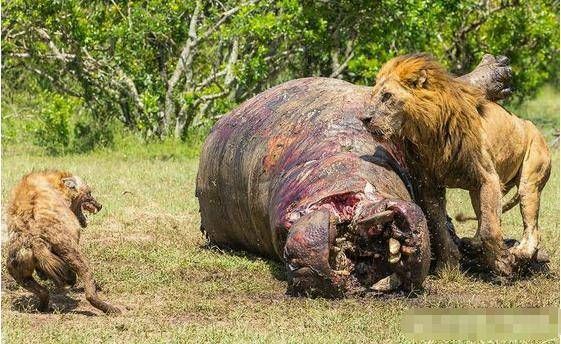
column 386, row 113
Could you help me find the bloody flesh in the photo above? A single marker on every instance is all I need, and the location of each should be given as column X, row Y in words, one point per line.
column 297, row 155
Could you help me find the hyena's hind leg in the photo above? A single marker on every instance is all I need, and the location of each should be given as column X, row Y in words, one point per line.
column 69, row 277
column 50, row 266
column 20, row 265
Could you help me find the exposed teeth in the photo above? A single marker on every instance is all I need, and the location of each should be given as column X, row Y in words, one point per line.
column 389, row 283
column 342, row 272
column 394, row 246
column 394, row 258
column 395, row 254
column 407, row 250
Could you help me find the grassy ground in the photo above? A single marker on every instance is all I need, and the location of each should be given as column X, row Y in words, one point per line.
column 148, row 257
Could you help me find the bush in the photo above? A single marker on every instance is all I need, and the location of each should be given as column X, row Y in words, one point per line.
column 62, row 125
column 53, row 131
column 90, row 134
column 151, row 74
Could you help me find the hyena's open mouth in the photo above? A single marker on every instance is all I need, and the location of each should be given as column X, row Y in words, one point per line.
column 89, row 205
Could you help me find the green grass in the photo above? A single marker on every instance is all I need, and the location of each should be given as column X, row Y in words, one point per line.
column 543, row 110
column 148, row 257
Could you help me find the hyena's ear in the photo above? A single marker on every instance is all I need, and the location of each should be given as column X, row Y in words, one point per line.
column 70, row 183
column 419, row 80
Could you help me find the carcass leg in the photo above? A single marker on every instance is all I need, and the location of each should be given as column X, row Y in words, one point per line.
column 306, row 254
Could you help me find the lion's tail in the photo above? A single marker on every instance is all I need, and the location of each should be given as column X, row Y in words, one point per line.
column 511, row 203
column 461, row 217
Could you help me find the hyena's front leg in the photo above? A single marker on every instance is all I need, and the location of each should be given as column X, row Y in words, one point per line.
column 69, row 252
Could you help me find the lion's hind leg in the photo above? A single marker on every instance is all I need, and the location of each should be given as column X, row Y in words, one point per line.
column 529, row 208
column 534, row 174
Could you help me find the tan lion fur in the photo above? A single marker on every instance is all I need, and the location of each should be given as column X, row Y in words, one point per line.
column 438, row 113
column 454, row 137
column 44, row 219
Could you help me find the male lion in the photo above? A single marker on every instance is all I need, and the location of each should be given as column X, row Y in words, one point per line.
column 44, row 219
column 455, row 138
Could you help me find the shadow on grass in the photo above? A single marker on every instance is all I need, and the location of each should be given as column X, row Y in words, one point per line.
column 472, row 264
column 276, row 268
column 524, row 272
column 278, row 271
column 60, row 303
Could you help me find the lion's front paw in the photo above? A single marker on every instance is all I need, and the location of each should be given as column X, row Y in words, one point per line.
column 504, row 264
column 525, row 250
column 471, row 247
column 487, row 257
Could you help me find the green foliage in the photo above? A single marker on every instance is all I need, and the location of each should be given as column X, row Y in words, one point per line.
column 543, row 111
column 57, row 124
column 53, row 130
column 19, row 116
column 124, row 60
column 89, row 135
column 133, row 147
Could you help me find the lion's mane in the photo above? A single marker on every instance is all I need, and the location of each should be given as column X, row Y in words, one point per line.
column 443, row 116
